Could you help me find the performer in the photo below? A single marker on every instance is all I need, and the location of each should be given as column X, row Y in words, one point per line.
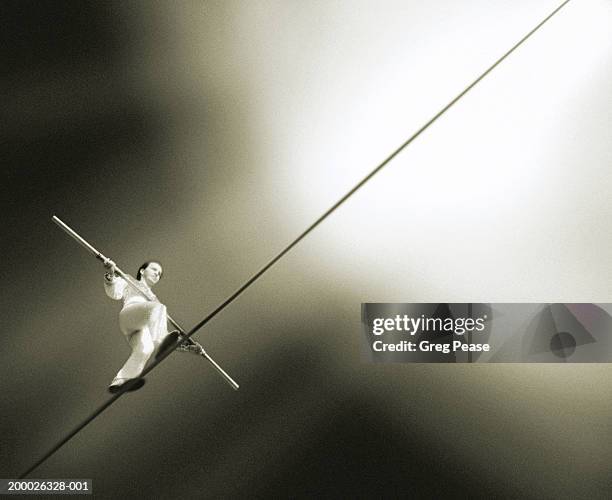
column 143, row 321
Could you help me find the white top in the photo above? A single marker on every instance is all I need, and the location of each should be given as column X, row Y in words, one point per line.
column 118, row 289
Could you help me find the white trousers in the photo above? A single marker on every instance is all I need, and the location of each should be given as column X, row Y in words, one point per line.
column 145, row 325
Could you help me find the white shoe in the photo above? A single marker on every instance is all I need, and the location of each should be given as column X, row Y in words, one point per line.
column 130, row 384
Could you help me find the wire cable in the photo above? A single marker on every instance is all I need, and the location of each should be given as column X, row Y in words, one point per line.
column 363, row 181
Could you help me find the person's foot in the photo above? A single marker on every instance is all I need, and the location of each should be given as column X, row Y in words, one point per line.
column 190, row 347
column 126, row 384
column 167, row 343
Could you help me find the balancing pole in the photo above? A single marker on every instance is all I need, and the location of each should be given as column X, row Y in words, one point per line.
column 98, row 255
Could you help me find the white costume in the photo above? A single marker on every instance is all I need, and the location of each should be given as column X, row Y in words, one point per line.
column 143, row 322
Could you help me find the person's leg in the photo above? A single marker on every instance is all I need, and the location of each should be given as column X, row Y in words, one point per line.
column 142, row 348
column 185, row 346
column 166, row 343
column 158, row 323
column 140, row 323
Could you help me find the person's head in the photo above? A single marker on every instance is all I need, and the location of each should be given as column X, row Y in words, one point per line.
column 150, row 272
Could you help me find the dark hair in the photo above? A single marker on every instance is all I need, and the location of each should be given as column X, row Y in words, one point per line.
column 145, row 265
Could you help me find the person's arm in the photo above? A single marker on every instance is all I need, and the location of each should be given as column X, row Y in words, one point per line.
column 114, row 286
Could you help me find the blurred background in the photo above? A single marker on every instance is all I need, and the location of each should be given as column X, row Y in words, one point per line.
column 208, row 135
